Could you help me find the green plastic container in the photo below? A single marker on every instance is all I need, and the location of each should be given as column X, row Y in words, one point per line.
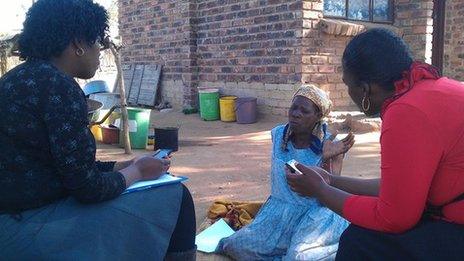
column 209, row 104
column 139, row 120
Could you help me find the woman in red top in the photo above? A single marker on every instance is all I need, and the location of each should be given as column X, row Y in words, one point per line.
column 415, row 210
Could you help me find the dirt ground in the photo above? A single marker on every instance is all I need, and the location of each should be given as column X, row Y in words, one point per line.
column 232, row 161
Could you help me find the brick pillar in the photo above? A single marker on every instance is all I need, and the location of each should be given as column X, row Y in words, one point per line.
column 321, row 56
column 313, row 45
column 190, row 64
column 453, row 64
column 414, row 18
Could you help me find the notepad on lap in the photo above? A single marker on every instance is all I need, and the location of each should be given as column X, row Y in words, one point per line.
column 165, row 179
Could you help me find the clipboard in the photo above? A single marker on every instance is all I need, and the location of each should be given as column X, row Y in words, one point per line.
column 163, row 180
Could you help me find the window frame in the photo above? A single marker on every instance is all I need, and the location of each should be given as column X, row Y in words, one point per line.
column 371, row 13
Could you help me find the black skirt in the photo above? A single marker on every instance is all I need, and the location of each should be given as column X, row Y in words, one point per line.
column 429, row 240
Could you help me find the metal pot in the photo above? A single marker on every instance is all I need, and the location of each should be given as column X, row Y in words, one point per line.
column 93, row 109
column 95, row 87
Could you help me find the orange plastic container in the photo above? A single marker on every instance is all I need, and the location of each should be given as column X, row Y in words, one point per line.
column 110, row 135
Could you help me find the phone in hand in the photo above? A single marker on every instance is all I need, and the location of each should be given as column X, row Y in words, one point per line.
column 291, row 165
column 162, row 153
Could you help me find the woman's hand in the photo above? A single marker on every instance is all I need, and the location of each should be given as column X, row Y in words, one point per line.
column 310, row 183
column 144, row 168
column 150, row 167
column 333, row 148
column 334, row 165
column 315, row 182
column 124, row 164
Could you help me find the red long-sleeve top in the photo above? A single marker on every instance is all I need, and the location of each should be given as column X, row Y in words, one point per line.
column 422, row 159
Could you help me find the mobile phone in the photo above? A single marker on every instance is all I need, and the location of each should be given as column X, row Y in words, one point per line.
column 162, row 153
column 291, row 165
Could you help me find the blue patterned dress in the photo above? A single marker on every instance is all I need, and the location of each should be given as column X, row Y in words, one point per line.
column 288, row 226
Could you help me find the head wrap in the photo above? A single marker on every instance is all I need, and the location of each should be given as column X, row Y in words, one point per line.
column 317, row 96
column 321, row 99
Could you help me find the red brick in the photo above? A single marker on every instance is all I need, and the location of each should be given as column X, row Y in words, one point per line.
column 307, row 5
column 311, row 14
column 318, row 59
column 335, row 60
column 334, row 78
column 310, row 68
column 419, row 30
column 306, row 78
column 317, row 6
column 318, row 78
column 326, row 69
column 306, row 59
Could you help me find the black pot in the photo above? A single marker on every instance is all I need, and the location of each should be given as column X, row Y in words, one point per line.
column 167, row 138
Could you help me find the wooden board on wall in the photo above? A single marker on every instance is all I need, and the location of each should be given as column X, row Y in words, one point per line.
column 127, row 75
column 135, row 86
column 141, row 83
column 149, row 85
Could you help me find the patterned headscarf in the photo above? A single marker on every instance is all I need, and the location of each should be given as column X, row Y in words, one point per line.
column 322, row 101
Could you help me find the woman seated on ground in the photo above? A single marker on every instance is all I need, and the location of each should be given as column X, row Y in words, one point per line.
column 289, row 226
column 47, row 157
column 415, row 211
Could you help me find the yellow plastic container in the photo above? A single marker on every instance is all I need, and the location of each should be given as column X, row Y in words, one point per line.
column 227, row 108
column 97, row 132
column 96, row 129
column 113, row 117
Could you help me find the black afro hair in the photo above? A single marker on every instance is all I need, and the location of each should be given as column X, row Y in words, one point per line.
column 377, row 56
column 51, row 25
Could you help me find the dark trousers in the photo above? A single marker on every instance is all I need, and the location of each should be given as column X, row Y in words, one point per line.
column 429, row 240
column 183, row 237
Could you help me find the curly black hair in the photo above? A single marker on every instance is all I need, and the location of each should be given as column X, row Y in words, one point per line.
column 377, row 56
column 51, row 25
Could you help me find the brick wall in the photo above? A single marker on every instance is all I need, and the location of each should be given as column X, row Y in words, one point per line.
column 162, row 32
column 261, row 48
column 248, row 48
column 414, row 18
column 453, row 65
column 248, row 41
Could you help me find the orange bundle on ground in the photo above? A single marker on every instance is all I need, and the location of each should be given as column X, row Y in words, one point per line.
column 236, row 213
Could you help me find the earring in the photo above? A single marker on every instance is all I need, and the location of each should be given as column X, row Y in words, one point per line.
column 364, row 106
column 80, row 52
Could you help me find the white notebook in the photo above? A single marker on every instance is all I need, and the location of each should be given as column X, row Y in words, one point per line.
column 208, row 240
column 165, row 179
